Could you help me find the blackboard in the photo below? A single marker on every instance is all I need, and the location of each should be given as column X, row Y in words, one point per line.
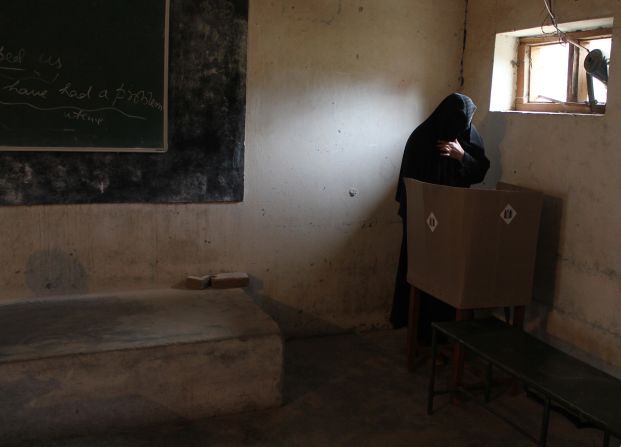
column 84, row 75
column 207, row 109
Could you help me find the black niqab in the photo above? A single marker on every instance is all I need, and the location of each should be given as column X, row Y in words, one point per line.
column 450, row 121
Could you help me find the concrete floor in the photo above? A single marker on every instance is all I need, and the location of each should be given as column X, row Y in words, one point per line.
column 353, row 390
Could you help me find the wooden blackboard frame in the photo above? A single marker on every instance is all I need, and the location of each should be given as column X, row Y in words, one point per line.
column 165, row 112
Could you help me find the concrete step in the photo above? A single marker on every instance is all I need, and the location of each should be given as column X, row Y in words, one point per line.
column 101, row 362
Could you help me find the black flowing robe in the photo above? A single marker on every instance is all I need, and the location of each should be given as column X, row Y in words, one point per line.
column 451, row 120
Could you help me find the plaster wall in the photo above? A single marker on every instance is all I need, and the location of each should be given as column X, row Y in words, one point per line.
column 574, row 160
column 334, row 89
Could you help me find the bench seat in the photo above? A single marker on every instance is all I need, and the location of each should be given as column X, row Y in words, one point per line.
column 585, row 391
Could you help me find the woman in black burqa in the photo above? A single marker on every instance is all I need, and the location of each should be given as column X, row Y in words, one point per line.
column 447, row 150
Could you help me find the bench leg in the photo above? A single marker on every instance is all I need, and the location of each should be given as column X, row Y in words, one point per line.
column 458, row 356
column 507, row 315
column 488, row 382
column 413, row 319
column 432, row 378
column 545, row 422
column 606, row 439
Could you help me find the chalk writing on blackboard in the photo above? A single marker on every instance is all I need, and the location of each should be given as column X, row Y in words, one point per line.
column 70, row 90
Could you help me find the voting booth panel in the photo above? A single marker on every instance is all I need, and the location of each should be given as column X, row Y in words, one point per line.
column 472, row 248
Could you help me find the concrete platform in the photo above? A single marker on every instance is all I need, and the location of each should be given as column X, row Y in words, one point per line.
column 98, row 362
column 355, row 391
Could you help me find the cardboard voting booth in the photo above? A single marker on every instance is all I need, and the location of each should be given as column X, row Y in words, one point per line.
column 472, row 248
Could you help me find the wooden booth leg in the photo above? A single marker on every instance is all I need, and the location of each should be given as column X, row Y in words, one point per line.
column 517, row 322
column 518, row 316
column 413, row 319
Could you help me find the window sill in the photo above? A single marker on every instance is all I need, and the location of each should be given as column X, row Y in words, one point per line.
column 531, row 112
column 566, row 108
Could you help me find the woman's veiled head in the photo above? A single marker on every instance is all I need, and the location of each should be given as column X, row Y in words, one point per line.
column 452, row 117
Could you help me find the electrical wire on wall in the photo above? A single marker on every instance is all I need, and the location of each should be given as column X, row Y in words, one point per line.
column 552, row 18
column 553, row 21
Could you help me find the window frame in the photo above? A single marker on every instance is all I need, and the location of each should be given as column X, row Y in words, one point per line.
column 523, row 74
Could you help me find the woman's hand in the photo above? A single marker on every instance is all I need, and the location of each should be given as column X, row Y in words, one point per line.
column 450, row 149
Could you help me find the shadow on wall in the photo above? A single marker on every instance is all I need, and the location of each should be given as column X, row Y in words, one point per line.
column 345, row 283
column 546, row 263
column 54, row 272
column 544, row 284
column 293, row 322
column 493, row 128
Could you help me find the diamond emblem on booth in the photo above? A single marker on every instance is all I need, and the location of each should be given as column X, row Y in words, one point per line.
column 508, row 214
column 432, row 222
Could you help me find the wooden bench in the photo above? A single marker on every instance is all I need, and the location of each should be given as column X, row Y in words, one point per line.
column 564, row 381
column 460, row 314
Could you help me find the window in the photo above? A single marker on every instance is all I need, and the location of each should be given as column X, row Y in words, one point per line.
column 534, row 71
column 551, row 76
